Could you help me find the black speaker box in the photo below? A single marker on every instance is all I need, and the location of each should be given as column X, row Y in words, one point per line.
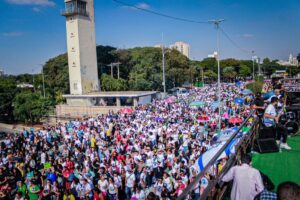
column 266, row 132
column 268, row 145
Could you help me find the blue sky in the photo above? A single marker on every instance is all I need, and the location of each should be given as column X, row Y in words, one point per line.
column 32, row 31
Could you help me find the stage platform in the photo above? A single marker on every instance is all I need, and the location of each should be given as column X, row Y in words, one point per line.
column 281, row 166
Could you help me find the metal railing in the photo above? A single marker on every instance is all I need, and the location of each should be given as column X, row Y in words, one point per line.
column 74, row 11
column 210, row 190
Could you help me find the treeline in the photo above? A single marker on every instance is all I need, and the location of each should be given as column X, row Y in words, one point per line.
column 140, row 69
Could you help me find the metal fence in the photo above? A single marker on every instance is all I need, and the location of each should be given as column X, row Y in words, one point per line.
column 215, row 188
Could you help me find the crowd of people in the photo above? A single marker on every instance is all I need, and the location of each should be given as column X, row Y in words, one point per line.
column 151, row 152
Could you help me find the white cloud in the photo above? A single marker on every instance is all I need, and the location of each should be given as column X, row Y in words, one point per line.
column 12, row 34
column 143, row 5
column 32, row 2
column 140, row 5
column 248, row 35
column 36, row 9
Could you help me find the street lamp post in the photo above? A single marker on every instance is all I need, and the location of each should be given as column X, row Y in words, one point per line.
column 217, row 22
column 43, row 83
column 163, row 66
column 253, row 71
column 43, row 77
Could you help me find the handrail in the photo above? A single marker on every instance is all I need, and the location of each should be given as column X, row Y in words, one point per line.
column 197, row 179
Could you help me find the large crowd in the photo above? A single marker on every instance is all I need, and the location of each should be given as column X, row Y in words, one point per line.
column 149, row 152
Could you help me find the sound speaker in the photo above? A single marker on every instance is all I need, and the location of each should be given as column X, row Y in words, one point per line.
column 267, row 145
column 266, row 132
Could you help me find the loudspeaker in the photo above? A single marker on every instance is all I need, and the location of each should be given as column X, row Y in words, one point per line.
column 266, row 132
column 268, row 145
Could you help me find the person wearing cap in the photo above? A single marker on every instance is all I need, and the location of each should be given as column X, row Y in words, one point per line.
column 271, row 119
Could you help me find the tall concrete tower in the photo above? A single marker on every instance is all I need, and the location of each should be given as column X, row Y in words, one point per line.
column 81, row 45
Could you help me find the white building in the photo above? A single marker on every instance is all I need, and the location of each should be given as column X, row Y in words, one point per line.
column 214, row 55
column 158, row 45
column 182, row 47
column 81, row 44
column 1, row 72
column 292, row 61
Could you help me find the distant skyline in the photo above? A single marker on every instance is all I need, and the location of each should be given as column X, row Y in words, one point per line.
column 32, row 31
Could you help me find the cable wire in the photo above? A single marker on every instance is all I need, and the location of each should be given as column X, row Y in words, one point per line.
column 161, row 14
column 234, row 43
column 184, row 20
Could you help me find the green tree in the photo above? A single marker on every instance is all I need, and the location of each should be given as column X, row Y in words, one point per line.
column 57, row 75
column 244, row 71
column 8, row 89
column 112, row 84
column 266, row 61
column 209, row 64
column 178, row 67
column 210, row 74
column 30, row 107
column 229, row 73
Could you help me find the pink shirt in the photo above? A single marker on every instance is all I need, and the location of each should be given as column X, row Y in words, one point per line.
column 247, row 182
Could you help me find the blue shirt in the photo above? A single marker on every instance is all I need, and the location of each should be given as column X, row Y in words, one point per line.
column 267, row 195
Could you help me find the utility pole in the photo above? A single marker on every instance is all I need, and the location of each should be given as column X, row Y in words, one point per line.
column 33, row 80
column 112, row 65
column 253, row 71
column 163, row 65
column 43, row 82
column 118, row 64
column 217, row 22
column 259, row 72
column 43, row 77
column 111, row 70
column 202, row 76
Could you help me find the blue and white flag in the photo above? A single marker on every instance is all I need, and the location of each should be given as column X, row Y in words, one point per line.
column 204, row 159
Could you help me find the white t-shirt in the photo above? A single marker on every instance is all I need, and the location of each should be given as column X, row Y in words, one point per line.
column 43, row 158
column 271, row 111
column 103, row 185
column 130, row 178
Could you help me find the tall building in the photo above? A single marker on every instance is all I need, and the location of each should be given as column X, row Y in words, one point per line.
column 81, row 45
column 182, row 47
column 1, row 72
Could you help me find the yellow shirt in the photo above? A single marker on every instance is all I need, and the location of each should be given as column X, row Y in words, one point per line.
column 107, row 132
column 70, row 197
column 93, row 141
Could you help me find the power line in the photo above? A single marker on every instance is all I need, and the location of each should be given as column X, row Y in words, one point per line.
column 161, row 14
column 183, row 20
column 234, row 43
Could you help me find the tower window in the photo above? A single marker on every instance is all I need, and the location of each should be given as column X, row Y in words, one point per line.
column 75, row 86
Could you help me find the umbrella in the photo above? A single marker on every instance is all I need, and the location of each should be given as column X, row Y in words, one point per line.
column 126, row 110
column 235, row 120
column 197, row 103
column 158, row 118
column 215, row 104
column 246, row 92
column 203, row 119
column 169, row 100
column 239, row 101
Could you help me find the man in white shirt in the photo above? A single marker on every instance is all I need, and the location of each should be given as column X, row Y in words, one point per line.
column 130, row 180
column 271, row 119
column 247, row 181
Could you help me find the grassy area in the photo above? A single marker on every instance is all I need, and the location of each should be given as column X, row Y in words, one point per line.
column 282, row 166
